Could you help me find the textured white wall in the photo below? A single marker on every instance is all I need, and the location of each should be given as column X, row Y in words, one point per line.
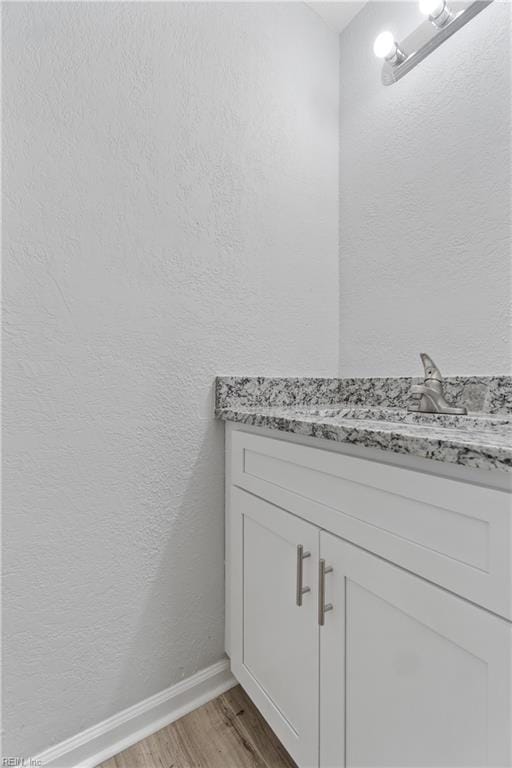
column 171, row 205
column 425, row 262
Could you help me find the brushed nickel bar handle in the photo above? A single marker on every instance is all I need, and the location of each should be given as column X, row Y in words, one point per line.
column 322, row 607
column 300, row 590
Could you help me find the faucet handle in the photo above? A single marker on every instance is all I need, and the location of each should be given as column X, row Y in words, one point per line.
column 430, row 368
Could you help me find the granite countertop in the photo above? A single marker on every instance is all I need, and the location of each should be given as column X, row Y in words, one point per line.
column 372, row 413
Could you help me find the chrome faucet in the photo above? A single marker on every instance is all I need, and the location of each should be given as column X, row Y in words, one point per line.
column 432, row 399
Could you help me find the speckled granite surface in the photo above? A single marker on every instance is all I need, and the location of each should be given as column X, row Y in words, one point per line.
column 485, row 394
column 372, row 413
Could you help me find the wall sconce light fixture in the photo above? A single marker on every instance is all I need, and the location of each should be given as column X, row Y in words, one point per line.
column 443, row 20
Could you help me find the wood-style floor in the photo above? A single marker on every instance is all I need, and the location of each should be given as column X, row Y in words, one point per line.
column 228, row 732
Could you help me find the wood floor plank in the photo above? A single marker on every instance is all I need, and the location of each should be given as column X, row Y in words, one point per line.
column 214, row 741
column 253, row 727
column 227, row 732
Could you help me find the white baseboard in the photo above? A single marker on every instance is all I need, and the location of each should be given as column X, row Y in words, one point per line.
column 104, row 740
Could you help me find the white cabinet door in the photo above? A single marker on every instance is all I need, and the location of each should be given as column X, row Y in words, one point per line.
column 410, row 674
column 274, row 641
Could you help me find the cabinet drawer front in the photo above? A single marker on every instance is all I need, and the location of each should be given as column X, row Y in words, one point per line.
column 453, row 533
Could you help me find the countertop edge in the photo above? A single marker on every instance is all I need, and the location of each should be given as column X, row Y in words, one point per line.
column 440, row 448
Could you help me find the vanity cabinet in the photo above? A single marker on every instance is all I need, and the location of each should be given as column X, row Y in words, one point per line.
column 353, row 659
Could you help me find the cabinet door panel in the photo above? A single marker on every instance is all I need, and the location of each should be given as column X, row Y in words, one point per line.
column 410, row 675
column 275, row 641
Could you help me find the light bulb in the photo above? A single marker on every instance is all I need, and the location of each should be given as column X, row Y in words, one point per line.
column 431, row 7
column 437, row 11
column 384, row 46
